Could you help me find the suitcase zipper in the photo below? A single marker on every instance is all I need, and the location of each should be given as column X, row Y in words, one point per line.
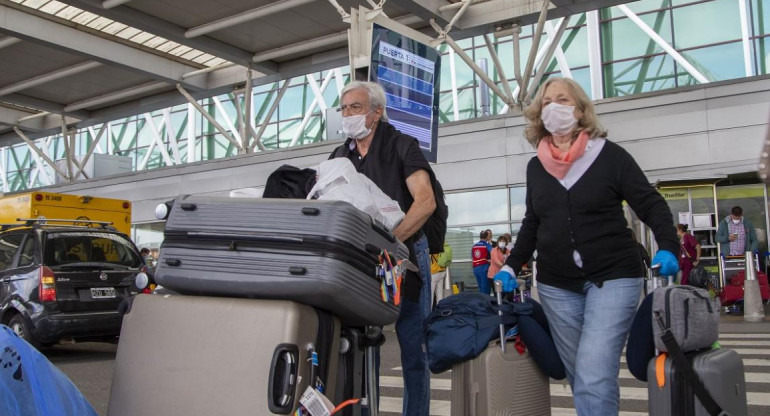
column 323, row 348
column 342, row 251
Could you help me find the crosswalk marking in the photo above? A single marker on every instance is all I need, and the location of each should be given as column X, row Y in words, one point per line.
column 756, row 336
column 563, row 411
column 562, row 389
column 435, row 383
column 725, row 343
column 640, row 393
column 395, row 405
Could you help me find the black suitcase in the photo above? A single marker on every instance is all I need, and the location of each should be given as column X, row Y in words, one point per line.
column 320, row 253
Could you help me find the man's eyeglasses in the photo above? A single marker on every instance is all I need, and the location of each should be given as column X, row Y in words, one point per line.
column 354, row 108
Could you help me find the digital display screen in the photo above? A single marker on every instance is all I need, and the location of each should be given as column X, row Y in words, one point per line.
column 409, row 72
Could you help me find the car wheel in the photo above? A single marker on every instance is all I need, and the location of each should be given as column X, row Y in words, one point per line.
column 20, row 328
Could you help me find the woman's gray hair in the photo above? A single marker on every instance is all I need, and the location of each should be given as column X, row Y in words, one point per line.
column 375, row 92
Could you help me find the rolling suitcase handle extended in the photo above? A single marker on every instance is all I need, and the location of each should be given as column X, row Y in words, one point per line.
column 499, row 294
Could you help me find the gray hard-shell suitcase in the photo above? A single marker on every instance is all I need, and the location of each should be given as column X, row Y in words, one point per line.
column 192, row 355
column 321, row 253
column 720, row 370
column 497, row 383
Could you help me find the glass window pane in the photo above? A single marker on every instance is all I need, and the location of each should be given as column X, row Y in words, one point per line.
column 478, row 206
column 574, row 42
column 760, row 11
column 637, row 7
column 622, row 38
column 762, row 55
column 8, row 246
column 717, row 63
column 690, row 21
column 466, row 103
column 583, row 77
column 518, row 203
column 639, row 75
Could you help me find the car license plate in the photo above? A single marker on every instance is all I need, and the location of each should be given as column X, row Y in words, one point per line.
column 102, row 292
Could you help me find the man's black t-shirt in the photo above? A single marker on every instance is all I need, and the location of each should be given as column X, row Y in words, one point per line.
column 391, row 158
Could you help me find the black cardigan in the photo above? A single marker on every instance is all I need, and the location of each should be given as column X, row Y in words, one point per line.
column 589, row 218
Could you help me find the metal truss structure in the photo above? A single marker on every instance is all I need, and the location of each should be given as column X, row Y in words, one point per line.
column 213, row 71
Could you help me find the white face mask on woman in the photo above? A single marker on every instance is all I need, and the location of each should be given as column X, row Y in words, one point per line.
column 559, row 119
column 355, row 126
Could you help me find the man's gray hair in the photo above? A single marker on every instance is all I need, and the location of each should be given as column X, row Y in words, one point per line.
column 375, row 92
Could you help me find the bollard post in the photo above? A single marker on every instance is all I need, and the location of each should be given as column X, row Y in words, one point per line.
column 753, row 310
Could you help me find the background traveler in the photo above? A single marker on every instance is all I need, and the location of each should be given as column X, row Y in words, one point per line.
column 736, row 234
column 480, row 255
column 497, row 257
column 395, row 163
column 690, row 252
column 589, row 270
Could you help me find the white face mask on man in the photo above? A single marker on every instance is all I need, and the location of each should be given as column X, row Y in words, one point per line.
column 559, row 119
column 355, row 126
column 736, row 222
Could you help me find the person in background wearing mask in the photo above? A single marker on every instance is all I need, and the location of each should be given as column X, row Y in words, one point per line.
column 589, row 272
column 497, row 258
column 736, row 234
column 395, row 163
column 145, row 253
column 480, row 254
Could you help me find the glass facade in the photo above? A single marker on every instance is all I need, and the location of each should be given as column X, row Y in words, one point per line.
column 631, row 62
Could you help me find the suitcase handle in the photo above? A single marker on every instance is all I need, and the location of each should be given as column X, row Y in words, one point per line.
column 187, row 206
column 381, row 230
column 246, row 237
column 282, row 385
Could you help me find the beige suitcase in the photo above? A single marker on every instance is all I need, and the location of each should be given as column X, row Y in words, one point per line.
column 497, row 384
column 193, row 355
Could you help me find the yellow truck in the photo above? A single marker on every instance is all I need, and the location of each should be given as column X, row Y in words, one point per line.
column 53, row 206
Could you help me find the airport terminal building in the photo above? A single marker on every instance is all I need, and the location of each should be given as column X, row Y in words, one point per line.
column 682, row 85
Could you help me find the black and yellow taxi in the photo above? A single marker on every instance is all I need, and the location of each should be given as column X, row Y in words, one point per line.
column 60, row 281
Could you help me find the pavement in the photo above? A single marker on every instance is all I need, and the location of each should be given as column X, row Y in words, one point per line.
column 736, row 324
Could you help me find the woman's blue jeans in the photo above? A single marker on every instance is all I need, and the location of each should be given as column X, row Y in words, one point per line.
column 589, row 330
column 411, row 339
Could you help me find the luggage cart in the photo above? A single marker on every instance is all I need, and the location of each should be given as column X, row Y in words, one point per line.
column 729, row 265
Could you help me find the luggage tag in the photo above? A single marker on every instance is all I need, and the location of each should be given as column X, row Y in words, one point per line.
column 391, row 279
column 315, row 403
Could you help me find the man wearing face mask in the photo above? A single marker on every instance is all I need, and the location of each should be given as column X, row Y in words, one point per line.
column 395, row 163
column 736, row 234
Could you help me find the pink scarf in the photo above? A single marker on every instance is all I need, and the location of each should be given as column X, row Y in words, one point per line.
column 556, row 161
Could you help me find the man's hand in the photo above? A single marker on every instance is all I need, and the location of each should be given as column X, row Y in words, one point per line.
column 507, row 278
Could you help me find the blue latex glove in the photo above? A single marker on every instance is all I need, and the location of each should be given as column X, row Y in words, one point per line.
column 506, row 276
column 668, row 262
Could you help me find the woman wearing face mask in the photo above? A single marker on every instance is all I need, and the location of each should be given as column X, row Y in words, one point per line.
column 497, row 257
column 589, row 272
